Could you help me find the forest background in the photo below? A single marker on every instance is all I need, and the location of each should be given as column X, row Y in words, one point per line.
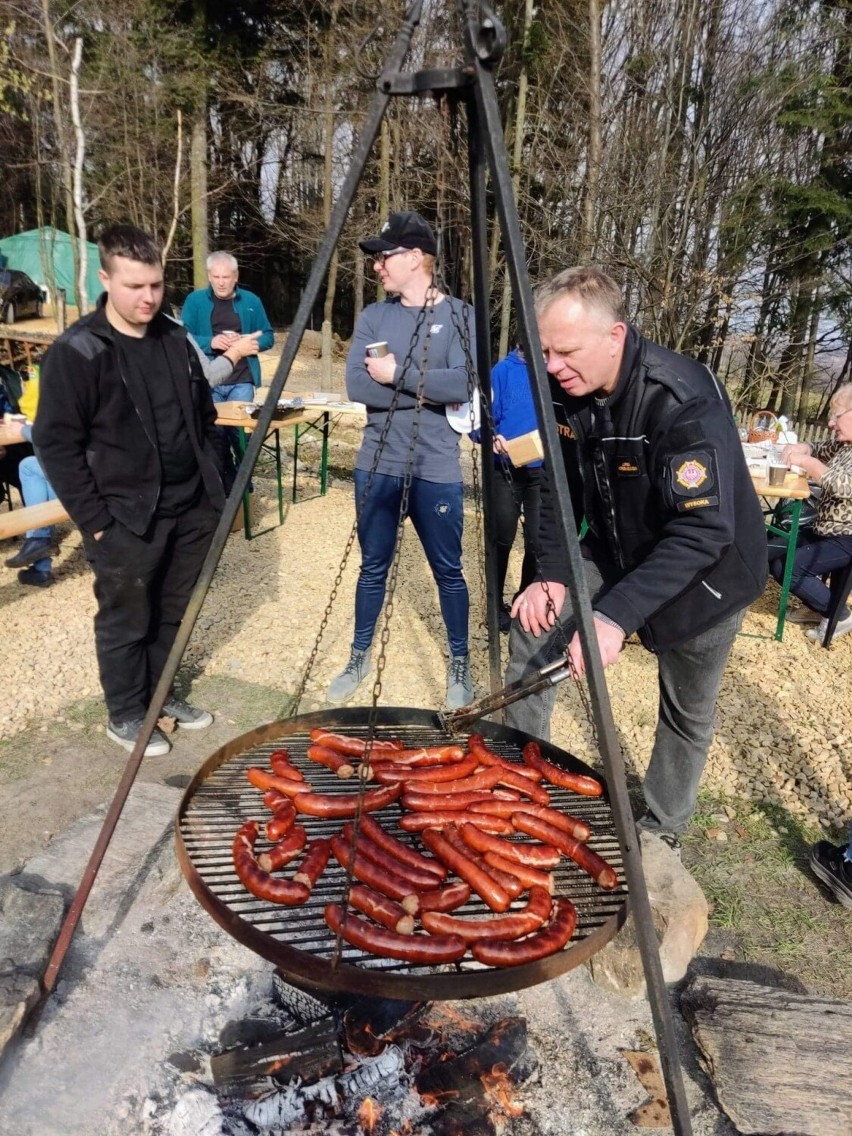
column 700, row 150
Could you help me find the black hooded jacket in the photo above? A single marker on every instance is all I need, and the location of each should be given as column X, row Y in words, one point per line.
column 95, row 433
column 675, row 526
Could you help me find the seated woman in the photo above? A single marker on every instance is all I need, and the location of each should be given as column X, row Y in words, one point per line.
column 829, row 546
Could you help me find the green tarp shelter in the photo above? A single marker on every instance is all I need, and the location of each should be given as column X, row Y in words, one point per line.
column 45, row 255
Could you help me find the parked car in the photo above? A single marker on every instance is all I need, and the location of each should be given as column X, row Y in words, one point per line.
column 20, row 297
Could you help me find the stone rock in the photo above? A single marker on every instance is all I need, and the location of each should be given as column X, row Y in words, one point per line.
column 680, row 913
column 29, row 924
column 18, row 994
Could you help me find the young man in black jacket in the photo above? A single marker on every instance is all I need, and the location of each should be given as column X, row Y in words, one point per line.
column 676, row 545
column 125, row 433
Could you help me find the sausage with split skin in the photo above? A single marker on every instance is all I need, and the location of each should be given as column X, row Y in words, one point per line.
column 529, row 877
column 381, row 908
column 287, row 849
column 254, row 879
column 479, row 880
column 332, row 760
column 424, row 949
column 512, row 925
column 369, row 873
column 419, row 878
column 428, row 755
column 446, row 898
column 572, row 825
column 430, row 802
column 340, row 805
column 487, row 779
column 536, row 855
column 313, row 863
column 440, row 818
column 600, row 871
column 387, row 771
column 576, row 782
column 538, row 945
column 354, row 747
column 281, row 766
column 509, row 882
column 399, row 850
column 261, row 779
column 485, row 756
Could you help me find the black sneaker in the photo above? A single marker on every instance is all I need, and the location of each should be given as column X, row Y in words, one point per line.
column 126, row 733
column 187, row 717
column 828, row 865
column 647, row 824
column 504, row 619
column 33, row 549
column 35, row 577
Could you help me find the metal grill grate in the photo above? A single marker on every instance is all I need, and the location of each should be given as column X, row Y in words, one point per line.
column 297, row 939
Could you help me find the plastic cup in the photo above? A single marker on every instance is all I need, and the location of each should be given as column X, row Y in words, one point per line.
column 376, row 350
column 777, row 473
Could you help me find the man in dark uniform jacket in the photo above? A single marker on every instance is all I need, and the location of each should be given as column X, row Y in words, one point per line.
column 125, row 435
column 676, row 547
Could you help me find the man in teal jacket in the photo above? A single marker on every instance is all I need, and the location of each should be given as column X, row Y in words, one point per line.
column 216, row 317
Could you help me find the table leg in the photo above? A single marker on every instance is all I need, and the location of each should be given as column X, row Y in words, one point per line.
column 243, row 441
column 278, row 477
column 296, row 436
column 792, row 540
column 324, row 459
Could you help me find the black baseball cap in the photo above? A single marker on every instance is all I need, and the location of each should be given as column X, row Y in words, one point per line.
column 403, row 230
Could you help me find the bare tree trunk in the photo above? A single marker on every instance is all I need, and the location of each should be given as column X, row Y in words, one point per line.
column 384, row 182
column 198, row 192
column 176, row 198
column 77, row 192
column 328, row 196
column 593, row 151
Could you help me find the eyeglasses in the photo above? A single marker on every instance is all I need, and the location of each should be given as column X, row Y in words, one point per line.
column 837, row 417
column 379, row 258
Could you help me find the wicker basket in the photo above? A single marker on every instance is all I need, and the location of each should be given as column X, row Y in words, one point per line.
column 763, row 426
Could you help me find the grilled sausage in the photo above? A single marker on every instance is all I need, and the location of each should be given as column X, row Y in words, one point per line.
column 281, row 823
column 355, row 747
column 284, row 851
column 509, row 882
column 479, row 880
column 572, row 825
column 524, row 785
column 529, row 877
column 416, row 822
column 446, row 898
column 382, row 909
column 540, row 944
column 418, row 802
column 512, row 925
column 387, row 771
column 487, row 779
column 257, row 881
column 536, row 855
column 576, row 782
column 332, row 759
column 428, row 755
column 424, row 949
column 263, row 780
column 336, row 805
column 313, row 863
column 485, row 756
column 371, row 827
column 600, row 871
column 369, row 873
column 279, row 763
column 419, row 878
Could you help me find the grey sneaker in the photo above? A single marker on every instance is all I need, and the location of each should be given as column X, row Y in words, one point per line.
column 187, row 717
column 350, row 678
column 459, row 682
column 818, row 633
column 126, row 733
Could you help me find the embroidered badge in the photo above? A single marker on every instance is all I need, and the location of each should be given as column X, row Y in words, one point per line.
column 691, row 474
column 628, row 467
column 435, row 328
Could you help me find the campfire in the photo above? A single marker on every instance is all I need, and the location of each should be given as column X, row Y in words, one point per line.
column 368, row 1067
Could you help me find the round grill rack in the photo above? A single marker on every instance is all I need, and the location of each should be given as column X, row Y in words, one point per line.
column 296, row 939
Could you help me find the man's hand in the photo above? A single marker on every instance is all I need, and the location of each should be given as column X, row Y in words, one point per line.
column 499, row 445
column 16, row 429
column 223, row 340
column 610, row 641
column 242, row 346
column 538, row 606
column 382, row 370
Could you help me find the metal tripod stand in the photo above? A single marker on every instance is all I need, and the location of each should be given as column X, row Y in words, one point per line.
column 472, row 85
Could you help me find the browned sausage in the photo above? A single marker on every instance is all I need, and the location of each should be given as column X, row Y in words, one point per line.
column 332, row 759
column 529, row 877
column 572, row 825
column 419, row 879
column 480, row 881
column 512, row 925
column 263, row 780
column 536, row 855
column 387, row 771
column 355, row 747
column 524, row 785
column 418, row 802
column 576, row 782
column 476, row 745
column 446, row 898
column 424, row 949
column 313, row 863
column 416, row 822
column 540, row 944
column 279, row 763
column 371, row 827
column 284, row 851
column 281, row 823
column 428, row 755
column 382, row 909
column 254, row 879
column 487, row 779
column 369, row 873
column 509, row 882
column 600, row 871
column 337, row 805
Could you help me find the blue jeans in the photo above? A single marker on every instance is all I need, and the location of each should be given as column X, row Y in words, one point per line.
column 436, row 511
column 815, row 556
column 688, row 677
column 228, row 448
column 35, row 490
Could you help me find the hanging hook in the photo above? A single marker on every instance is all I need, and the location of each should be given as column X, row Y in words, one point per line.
column 486, row 32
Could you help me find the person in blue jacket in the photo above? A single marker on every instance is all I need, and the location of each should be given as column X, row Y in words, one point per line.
column 217, row 316
column 516, row 488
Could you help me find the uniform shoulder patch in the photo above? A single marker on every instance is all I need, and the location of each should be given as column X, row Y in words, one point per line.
column 692, row 480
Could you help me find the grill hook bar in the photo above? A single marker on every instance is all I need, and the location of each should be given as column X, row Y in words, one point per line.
column 457, row 720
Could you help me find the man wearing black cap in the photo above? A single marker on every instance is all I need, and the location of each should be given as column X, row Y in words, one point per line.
column 416, row 322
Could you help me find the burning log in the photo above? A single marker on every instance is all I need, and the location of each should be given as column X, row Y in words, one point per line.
column 373, row 1022
column 465, row 1078
column 309, row 1053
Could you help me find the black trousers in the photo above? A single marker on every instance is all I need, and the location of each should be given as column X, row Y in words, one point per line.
column 511, row 498
column 142, row 585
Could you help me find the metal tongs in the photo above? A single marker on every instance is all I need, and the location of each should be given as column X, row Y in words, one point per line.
column 457, row 720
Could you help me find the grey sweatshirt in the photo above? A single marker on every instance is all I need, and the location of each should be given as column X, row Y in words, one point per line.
column 436, row 455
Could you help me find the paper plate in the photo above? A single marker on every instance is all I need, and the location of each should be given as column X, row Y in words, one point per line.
column 460, row 417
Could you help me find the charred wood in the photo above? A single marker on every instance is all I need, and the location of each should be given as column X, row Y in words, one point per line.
column 373, row 1022
column 309, row 1053
column 504, row 1046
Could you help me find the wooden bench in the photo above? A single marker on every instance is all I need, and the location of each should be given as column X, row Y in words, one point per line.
column 19, row 521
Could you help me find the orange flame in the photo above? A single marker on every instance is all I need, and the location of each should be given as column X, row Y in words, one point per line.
column 499, row 1088
column 368, row 1114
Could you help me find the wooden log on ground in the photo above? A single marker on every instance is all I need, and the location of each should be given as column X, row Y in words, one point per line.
column 779, row 1061
column 309, row 1053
